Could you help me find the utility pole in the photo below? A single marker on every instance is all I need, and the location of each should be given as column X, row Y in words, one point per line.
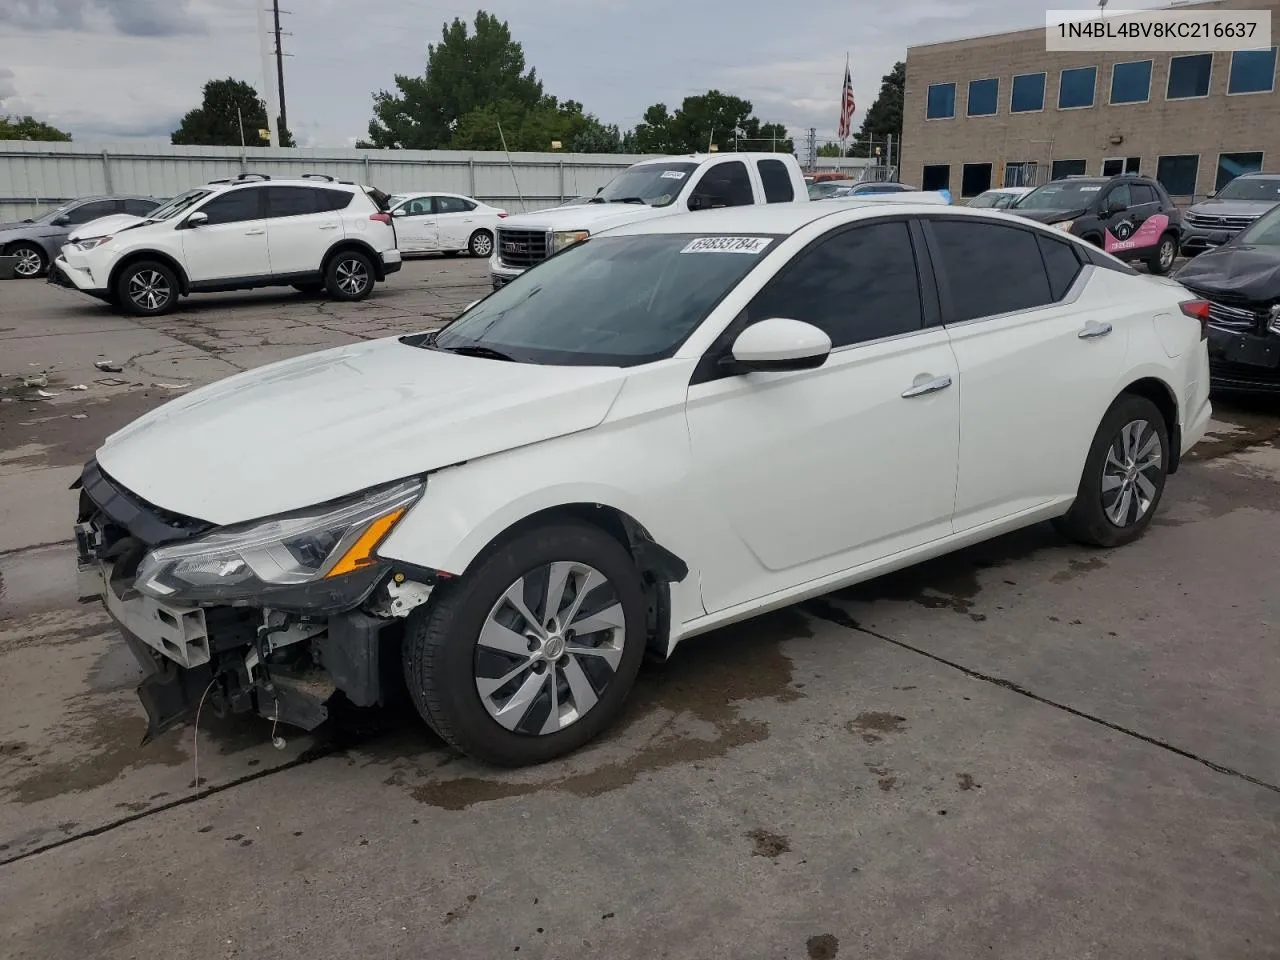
column 813, row 147
column 268, row 88
column 284, row 117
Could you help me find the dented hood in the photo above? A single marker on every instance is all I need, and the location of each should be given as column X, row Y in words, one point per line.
column 328, row 424
column 1238, row 270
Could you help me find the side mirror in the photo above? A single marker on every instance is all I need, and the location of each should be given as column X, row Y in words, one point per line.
column 779, row 344
column 62, row 221
column 398, row 212
column 197, row 219
column 1116, row 205
column 704, row 201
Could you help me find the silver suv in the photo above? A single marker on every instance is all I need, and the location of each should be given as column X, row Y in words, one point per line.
column 1213, row 222
column 35, row 242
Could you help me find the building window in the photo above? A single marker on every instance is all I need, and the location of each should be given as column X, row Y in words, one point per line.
column 1076, row 88
column 1114, row 166
column 1189, row 76
column 983, row 96
column 936, row 176
column 1066, row 168
column 1252, row 71
column 942, row 101
column 975, row 178
column 1178, row 173
column 1020, row 173
column 1231, row 165
column 1028, row 93
column 1131, row 82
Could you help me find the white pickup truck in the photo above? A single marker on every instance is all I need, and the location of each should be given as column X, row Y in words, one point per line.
column 651, row 188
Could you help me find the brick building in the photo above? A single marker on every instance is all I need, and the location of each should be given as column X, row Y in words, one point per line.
column 1001, row 109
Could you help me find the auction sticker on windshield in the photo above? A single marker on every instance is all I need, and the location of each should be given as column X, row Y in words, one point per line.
column 749, row 245
column 672, row 175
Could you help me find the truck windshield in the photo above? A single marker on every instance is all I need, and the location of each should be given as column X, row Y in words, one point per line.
column 656, row 184
column 607, row 301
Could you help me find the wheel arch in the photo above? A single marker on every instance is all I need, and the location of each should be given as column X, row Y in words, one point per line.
column 1166, row 401
column 353, row 243
column 184, row 284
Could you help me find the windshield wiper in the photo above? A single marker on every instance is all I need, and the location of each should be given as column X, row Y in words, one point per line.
column 628, row 200
column 477, row 350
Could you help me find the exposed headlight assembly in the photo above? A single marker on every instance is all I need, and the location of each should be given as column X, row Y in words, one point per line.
column 567, row 238
column 1064, row 225
column 314, row 560
column 91, row 242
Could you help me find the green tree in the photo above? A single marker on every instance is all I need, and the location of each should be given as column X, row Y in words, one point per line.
column 466, row 72
column 705, row 119
column 29, row 128
column 534, row 128
column 830, row 150
column 224, row 105
column 885, row 115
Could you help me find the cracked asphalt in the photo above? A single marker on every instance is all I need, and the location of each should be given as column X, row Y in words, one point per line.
column 1025, row 749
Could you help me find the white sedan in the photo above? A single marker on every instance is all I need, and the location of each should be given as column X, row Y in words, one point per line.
column 446, row 223
column 669, row 427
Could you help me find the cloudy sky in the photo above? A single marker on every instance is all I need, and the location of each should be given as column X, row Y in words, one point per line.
column 108, row 70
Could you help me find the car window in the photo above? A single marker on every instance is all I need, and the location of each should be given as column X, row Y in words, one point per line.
column 728, row 184
column 93, row 210
column 329, row 200
column 234, row 206
column 291, row 201
column 1061, row 263
column 985, row 200
column 609, row 301
column 777, row 181
column 139, row 208
column 1142, row 193
column 989, row 268
column 1120, row 194
column 420, row 207
column 453, row 205
column 857, row 285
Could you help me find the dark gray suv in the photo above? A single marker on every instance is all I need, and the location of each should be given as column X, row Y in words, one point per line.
column 35, row 242
column 1213, row 222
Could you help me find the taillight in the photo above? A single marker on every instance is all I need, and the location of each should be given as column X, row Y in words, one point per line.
column 501, row 214
column 381, row 217
column 1198, row 310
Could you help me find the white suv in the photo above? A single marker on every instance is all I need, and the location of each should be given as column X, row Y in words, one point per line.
column 313, row 233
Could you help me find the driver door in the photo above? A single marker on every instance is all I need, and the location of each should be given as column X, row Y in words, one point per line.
column 812, row 472
column 418, row 230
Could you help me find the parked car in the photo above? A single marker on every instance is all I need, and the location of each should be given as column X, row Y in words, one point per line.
column 1128, row 215
column 314, row 233
column 1214, row 221
column 1241, row 281
column 830, row 189
column 572, row 473
column 87, row 237
column 447, row 223
column 35, row 242
column 651, row 189
column 999, row 198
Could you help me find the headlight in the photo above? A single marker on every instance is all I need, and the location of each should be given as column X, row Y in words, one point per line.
column 322, row 556
column 1064, row 225
column 91, row 242
column 567, row 238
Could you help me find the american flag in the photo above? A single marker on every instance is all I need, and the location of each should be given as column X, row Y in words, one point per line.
column 847, row 106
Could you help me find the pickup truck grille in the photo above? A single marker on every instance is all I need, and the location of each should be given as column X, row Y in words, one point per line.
column 522, row 248
column 1228, row 224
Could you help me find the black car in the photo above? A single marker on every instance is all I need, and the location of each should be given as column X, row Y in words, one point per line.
column 1129, row 216
column 1241, row 281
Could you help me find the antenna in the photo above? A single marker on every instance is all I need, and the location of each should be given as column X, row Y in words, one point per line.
column 503, row 136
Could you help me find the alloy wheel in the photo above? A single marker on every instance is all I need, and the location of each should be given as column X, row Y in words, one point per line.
column 1131, row 473
column 352, row 277
column 482, row 245
column 1166, row 254
column 549, row 648
column 28, row 263
column 149, row 290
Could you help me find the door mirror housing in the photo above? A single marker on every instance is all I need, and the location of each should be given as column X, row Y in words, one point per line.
column 61, row 221
column 779, row 344
column 704, row 201
column 398, row 212
column 197, row 219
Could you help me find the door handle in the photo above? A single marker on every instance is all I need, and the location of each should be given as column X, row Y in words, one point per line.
column 254, row 233
column 1094, row 330
column 329, row 226
column 929, row 386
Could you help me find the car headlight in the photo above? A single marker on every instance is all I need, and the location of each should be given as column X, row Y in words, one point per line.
column 91, row 242
column 321, row 557
column 1064, row 225
column 567, row 238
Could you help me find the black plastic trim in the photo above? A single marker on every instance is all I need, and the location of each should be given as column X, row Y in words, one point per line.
column 145, row 522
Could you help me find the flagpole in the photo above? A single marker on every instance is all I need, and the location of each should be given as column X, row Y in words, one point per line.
column 844, row 142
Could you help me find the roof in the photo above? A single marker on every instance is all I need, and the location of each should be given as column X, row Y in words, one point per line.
column 703, row 157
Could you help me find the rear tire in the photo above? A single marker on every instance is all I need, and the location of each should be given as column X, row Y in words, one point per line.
column 1161, row 262
column 481, row 244
column 147, row 288
column 1124, row 476
column 478, row 668
column 349, row 276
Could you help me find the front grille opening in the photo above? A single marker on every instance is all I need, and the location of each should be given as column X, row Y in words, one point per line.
column 522, row 248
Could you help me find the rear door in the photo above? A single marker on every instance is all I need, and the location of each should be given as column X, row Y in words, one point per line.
column 302, row 224
column 417, row 230
column 455, row 221
column 1125, row 209
column 232, row 244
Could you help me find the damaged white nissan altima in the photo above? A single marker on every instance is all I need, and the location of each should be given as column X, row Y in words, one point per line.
column 660, row 430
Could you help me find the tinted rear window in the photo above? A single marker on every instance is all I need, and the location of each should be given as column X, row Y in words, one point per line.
column 990, row 269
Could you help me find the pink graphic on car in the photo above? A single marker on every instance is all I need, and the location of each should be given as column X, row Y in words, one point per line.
column 1148, row 235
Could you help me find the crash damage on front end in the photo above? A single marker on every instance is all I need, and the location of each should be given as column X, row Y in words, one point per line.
column 280, row 617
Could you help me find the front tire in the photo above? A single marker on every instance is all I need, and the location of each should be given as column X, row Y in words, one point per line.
column 481, row 244
column 1124, row 476
column 1161, row 261
column 349, row 276
column 147, row 288
column 531, row 654
column 31, row 261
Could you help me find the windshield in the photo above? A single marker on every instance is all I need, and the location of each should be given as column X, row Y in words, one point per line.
column 986, row 200
column 656, row 184
column 606, row 301
column 1251, row 188
column 1060, row 196
column 177, row 205
column 829, row 188
column 1263, row 232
